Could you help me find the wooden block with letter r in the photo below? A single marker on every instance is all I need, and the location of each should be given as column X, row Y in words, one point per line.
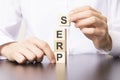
column 63, row 20
column 60, row 45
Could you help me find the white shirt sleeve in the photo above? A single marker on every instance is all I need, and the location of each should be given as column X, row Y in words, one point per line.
column 114, row 26
column 115, row 43
column 10, row 20
column 111, row 9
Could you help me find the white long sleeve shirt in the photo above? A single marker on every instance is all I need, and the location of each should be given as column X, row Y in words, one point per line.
column 41, row 18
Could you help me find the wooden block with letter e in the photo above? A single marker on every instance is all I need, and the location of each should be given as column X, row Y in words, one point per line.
column 60, row 45
column 64, row 20
column 60, row 34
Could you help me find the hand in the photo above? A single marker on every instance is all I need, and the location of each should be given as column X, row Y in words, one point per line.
column 93, row 24
column 31, row 49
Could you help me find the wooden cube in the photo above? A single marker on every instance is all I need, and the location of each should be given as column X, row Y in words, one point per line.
column 60, row 71
column 63, row 20
column 59, row 45
column 60, row 57
column 60, row 34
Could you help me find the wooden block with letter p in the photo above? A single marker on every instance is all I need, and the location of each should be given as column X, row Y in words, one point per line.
column 64, row 20
column 60, row 45
column 61, row 57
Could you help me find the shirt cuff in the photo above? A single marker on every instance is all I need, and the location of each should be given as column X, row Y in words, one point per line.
column 102, row 51
column 5, row 39
column 2, row 58
column 115, row 36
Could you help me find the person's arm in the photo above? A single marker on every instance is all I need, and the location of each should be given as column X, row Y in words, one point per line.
column 114, row 26
column 10, row 21
column 31, row 49
column 93, row 25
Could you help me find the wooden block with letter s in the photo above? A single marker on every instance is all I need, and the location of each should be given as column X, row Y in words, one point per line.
column 63, row 20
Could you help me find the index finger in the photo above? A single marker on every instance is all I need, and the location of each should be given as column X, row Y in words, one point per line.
column 45, row 48
column 80, row 9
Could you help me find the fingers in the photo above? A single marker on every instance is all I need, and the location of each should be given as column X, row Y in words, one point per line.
column 82, row 9
column 49, row 53
column 34, row 49
column 18, row 57
column 83, row 15
column 92, row 26
column 27, row 53
column 94, row 21
column 31, row 50
column 45, row 48
column 93, row 31
column 91, row 22
column 85, row 22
